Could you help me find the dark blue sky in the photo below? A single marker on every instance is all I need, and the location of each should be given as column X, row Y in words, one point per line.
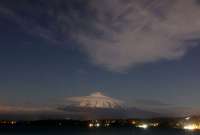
column 41, row 62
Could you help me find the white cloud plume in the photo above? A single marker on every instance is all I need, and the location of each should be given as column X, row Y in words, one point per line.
column 141, row 31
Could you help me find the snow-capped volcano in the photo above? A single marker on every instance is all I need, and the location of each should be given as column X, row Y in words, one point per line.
column 99, row 106
column 96, row 100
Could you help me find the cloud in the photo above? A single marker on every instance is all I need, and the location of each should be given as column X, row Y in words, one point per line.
column 17, row 109
column 116, row 35
column 138, row 32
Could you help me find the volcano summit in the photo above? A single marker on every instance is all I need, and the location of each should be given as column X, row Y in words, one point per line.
column 96, row 100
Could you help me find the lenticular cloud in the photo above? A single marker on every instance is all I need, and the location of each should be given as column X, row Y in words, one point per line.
column 95, row 100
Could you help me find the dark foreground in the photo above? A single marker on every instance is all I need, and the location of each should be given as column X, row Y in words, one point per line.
column 97, row 127
column 99, row 131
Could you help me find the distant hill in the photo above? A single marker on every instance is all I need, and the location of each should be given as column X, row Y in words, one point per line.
column 103, row 113
column 84, row 113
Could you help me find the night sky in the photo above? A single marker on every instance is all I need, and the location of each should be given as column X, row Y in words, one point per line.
column 143, row 52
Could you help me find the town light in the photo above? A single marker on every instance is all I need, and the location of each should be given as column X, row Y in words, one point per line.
column 187, row 118
column 144, row 126
column 191, row 127
column 91, row 125
column 97, row 125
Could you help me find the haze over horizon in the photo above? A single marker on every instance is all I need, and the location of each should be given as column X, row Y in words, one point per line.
column 141, row 52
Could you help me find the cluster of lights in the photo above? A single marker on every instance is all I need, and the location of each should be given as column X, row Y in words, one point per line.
column 145, row 125
column 8, row 122
column 94, row 125
column 154, row 124
column 189, row 124
column 107, row 125
column 191, row 127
